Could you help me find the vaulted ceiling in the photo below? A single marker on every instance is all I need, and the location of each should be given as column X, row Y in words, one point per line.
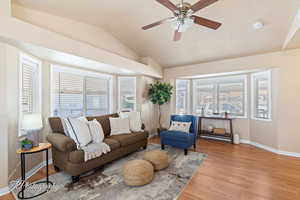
column 235, row 38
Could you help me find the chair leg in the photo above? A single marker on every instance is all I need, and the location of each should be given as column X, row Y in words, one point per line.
column 145, row 147
column 162, row 146
column 195, row 146
column 75, row 179
column 185, row 152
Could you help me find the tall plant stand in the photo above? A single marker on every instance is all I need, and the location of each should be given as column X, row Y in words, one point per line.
column 228, row 136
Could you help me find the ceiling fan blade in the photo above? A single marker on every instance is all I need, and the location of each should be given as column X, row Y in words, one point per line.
column 168, row 4
column 206, row 22
column 158, row 23
column 202, row 4
column 177, row 35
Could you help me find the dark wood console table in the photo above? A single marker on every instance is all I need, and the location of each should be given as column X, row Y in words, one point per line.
column 209, row 134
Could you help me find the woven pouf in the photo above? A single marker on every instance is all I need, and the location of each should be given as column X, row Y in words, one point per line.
column 159, row 159
column 137, row 172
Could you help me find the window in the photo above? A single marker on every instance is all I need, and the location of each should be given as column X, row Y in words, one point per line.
column 30, row 93
column 182, row 96
column 79, row 93
column 220, row 95
column 127, row 93
column 261, row 95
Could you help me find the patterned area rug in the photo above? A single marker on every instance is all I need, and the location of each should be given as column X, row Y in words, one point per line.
column 107, row 183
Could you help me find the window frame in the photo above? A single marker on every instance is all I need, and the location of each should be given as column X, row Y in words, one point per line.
column 84, row 74
column 254, row 94
column 119, row 92
column 215, row 82
column 37, row 90
column 187, row 99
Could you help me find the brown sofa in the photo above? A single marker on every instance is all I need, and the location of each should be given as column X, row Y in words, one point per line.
column 67, row 157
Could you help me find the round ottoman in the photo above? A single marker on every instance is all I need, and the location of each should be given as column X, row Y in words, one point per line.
column 137, row 172
column 159, row 159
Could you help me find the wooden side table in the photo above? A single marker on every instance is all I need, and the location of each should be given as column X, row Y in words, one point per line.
column 42, row 147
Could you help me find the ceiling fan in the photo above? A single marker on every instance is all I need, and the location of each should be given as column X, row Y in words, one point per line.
column 184, row 16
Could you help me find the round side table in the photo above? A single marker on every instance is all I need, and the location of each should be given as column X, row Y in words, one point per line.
column 42, row 147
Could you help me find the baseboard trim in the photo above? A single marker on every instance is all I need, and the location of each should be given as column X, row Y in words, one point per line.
column 271, row 149
column 30, row 173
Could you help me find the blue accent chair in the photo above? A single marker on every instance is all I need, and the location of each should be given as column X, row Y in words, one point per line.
column 180, row 139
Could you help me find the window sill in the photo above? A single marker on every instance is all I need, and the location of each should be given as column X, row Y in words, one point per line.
column 261, row 119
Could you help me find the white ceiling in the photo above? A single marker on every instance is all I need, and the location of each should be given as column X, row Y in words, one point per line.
column 235, row 38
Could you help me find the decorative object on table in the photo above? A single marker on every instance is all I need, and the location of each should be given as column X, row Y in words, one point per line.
column 220, row 131
column 159, row 159
column 137, row 172
column 32, row 123
column 210, row 128
column 236, row 139
column 41, row 147
column 107, row 183
column 26, row 144
column 228, row 136
column 226, row 115
column 160, row 93
column 181, row 139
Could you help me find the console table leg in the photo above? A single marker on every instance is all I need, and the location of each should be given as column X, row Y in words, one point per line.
column 23, row 173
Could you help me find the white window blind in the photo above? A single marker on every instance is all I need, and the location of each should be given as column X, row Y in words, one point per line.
column 182, row 96
column 30, row 97
column 29, row 85
column 79, row 94
column 261, row 95
column 220, row 95
column 97, row 96
column 127, row 93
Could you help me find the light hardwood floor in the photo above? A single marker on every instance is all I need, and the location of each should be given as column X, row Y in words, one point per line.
column 236, row 172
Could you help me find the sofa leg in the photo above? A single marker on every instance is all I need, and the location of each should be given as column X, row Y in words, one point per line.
column 185, row 152
column 56, row 168
column 75, row 179
column 145, row 147
column 162, row 146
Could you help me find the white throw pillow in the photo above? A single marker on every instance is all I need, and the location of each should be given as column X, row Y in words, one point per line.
column 79, row 131
column 119, row 126
column 180, row 126
column 96, row 131
column 135, row 121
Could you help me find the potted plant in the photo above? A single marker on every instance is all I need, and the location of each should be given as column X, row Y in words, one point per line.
column 160, row 93
column 26, row 144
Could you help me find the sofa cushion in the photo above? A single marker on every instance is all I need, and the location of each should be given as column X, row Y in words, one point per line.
column 104, row 121
column 130, row 138
column 78, row 155
column 113, row 144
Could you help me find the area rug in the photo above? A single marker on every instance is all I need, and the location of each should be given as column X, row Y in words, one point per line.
column 107, row 183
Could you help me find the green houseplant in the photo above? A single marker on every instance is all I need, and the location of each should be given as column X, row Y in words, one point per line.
column 26, row 144
column 160, row 93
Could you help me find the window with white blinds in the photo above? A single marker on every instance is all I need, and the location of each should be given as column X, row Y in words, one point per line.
column 182, row 96
column 261, row 95
column 78, row 93
column 30, row 85
column 220, row 95
column 127, row 93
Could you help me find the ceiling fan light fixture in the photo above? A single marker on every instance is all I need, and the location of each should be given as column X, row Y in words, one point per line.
column 182, row 26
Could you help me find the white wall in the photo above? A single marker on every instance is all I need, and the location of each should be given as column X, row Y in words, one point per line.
column 23, row 32
column 282, row 132
column 86, row 33
column 3, row 120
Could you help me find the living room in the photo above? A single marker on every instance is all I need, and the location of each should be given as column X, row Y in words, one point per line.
column 232, row 79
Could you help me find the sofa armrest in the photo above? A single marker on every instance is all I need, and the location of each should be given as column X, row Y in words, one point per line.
column 62, row 142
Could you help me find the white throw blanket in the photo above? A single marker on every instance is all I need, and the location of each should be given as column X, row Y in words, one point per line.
column 95, row 150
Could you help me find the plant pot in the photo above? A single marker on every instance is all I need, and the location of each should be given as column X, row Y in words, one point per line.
column 27, row 147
